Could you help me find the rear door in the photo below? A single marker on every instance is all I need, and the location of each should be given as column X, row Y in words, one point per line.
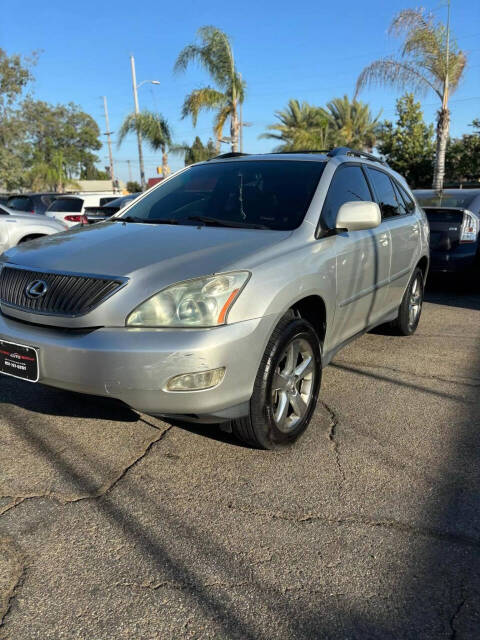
column 363, row 257
column 399, row 212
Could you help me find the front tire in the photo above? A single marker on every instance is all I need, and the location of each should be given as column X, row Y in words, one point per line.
column 286, row 387
column 410, row 309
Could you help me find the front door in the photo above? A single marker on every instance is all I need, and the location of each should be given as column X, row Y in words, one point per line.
column 398, row 210
column 363, row 257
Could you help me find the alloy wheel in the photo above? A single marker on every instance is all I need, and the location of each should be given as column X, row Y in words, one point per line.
column 293, row 384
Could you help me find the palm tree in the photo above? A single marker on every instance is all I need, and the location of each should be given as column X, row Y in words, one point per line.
column 351, row 123
column 300, row 126
column 429, row 61
column 215, row 54
column 154, row 129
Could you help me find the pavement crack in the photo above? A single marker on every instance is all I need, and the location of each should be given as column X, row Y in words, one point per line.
column 455, row 614
column 362, row 521
column 332, row 436
column 17, row 578
column 99, row 493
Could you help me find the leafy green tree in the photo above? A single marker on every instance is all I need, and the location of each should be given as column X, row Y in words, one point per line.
column 65, row 128
column 90, row 172
column 198, row 152
column 463, row 157
column 133, row 187
column 154, row 129
column 15, row 74
column 300, row 126
column 408, row 145
column 51, row 175
column 214, row 53
column 429, row 61
column 351, row 123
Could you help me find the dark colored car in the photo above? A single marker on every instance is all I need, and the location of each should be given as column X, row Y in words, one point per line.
column 31, row 202
column 454, row 219
column 98, row 214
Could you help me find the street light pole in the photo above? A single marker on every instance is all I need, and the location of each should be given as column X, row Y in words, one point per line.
column 139, row 135
column 109, row 142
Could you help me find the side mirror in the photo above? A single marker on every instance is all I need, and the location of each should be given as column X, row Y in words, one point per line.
column 358, row 215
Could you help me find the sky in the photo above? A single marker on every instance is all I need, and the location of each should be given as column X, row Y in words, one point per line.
column 308, row 50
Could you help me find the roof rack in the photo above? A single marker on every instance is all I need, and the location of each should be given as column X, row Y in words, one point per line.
column 301, row 151
column 230, row 154
column 346, row 151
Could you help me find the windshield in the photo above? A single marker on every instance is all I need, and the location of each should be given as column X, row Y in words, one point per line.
column 67, row 204
column 461, row 199
column 272, row 194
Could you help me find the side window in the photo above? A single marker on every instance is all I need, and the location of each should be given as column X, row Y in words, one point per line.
column 385, row 194
column 400, row 200
column 409, row 203
column 348, row 184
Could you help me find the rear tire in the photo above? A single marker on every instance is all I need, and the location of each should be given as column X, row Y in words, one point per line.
column 410, row 310
column 286, row 387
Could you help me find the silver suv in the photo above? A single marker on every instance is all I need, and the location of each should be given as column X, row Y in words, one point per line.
column 219, row 295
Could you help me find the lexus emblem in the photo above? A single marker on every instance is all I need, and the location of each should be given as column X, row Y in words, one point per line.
column 36, row 289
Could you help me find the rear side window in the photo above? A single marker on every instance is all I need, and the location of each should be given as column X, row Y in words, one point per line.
column 106, row 200
column 387, row 200
column 20, row 203
column 73, row 205
column 409, row 203
column 348, row 185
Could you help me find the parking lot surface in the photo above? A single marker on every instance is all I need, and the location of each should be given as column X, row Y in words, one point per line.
column 117, row 525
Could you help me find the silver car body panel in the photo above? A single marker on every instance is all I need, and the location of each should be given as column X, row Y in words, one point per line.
column 17, row 226
column 359, row 278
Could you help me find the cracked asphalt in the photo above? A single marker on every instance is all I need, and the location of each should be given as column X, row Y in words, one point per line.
column 117, row 525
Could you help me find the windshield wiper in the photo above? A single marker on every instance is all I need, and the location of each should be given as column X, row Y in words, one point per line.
column 226, row 223
column 148, row 220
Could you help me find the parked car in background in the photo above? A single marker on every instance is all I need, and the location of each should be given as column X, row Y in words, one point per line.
column 220, row 295
column 105, row 211
column 17, row 228
column 70, row 209
column 31, row 202
column 454, row 219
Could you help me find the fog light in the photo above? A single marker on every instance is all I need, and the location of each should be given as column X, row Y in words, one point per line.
column 196, row 381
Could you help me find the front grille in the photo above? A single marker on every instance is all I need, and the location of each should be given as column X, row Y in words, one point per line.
column 67, row 294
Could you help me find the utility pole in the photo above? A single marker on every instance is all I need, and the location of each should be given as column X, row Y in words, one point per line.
column 139, row 135
column 109, row 142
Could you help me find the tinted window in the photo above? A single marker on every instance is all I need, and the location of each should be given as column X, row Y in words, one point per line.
column 47, row 200
column 431, row 199
column 383, row 187
column 272, row 193
column 20, row 203
column 66, row 205
column 409, row 203
column 103, row 201
column 348, row 184
column 120, row 202
column 402, row 207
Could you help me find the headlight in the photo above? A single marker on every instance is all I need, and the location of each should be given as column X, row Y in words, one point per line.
column 202, row 302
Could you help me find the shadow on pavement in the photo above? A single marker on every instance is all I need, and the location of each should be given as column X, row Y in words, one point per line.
column 454, row 509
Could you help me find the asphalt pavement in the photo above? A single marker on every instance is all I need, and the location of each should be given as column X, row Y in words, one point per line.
column 116, row 525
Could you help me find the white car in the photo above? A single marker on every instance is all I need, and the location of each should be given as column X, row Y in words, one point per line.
column 16, row 228
column 71, row 209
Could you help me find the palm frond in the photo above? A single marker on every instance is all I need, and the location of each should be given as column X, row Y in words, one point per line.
column 153, row 127
column 389, row 71
column 202, row 100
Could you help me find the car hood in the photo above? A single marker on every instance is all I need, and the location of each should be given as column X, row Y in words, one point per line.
column 125, row 249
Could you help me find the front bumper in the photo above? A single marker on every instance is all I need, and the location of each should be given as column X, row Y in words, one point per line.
column 134, row 365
